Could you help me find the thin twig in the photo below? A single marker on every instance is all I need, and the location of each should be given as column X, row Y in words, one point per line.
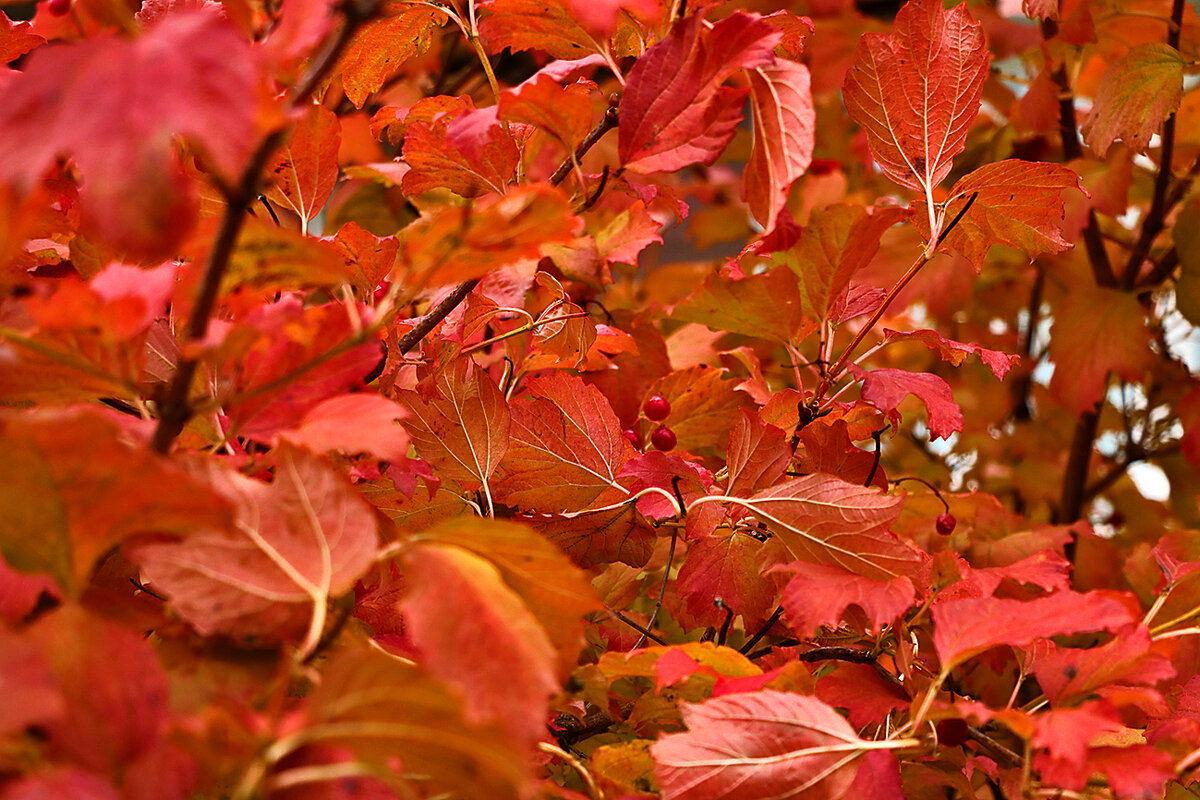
column 662, row 590
column 757, row 637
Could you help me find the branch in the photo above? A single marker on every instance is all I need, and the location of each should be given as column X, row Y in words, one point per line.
column 451, row 301
column 1070, row 505
column 175, row 409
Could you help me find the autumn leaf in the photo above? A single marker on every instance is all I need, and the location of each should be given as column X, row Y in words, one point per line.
column 886, row 389
column 965, row 628
column 824, row 520
column 555, row 591
column 564, row 112
column 465, row 150
column 1096, row 331
column 353, row 423
column 459, row 422
column 729, row 564
column 956, row 353
column 1067, row 674
column 1138, row 92
column 704, row 407
column 566, row 448
column 821, row 594
column 752, row 746
column 459, row 643
column 1017, row 203
column 916, row 91
column 368, row 258
column 458, row 243
column 593, row 538
column 91, row 99
column 381, row 47
column 305, row 169
column 384, row 708
column 536, row 25
column 758, row 455
column 73, row 486
column 268, row 256
column 674, row 111
column 765, row 306
column 784, row 133
column 295, row 543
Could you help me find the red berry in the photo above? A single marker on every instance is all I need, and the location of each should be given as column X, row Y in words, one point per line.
column 59, row 8
column 632, row 436
column 381, row 290
column 663, row 438
column 946, row 523
column 952, row 732
column 657, row 408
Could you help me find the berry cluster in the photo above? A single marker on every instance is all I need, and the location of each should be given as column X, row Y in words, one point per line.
column 656, row 409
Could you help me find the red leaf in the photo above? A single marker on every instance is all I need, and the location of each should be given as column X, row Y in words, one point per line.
column 305, row 169
column 1066, row 674
column 459, row 422
column 826, row 447
column 564, row 112
column 1136, row 95
column 296, row 542
column 59, row 782
column 674, row 111
column 860, row 690
column 1017, row 203
column 886, row 389
column 269, row 362
column 729, row 565
column 824, row 520
column 965, row 628
column 380, row 47
column 369, row 258
column 115, row 690
column 820, row 594
column 1096, row 331
column 758, row 456
column 673, row 474
column 39, row 699
column 535, row 24
column 784, row 133
column 92, row 99
column 752, row 746
column 916, row 91
column 463, row 149
column 353, row 423
column 15, row 39
column 601, row 537
column 1064, row 733
column 704, row 407
column 459, row 642
column 566, row 448
column 956, row 352
column 74, row 488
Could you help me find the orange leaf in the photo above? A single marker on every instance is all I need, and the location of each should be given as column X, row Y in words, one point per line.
column 784, row 123
column 305, row 170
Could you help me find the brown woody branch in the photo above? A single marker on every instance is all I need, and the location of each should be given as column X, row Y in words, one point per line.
column 175, row 408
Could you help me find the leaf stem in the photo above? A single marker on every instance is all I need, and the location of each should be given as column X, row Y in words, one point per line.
column 662, row 590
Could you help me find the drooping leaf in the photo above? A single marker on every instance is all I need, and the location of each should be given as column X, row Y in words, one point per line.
column 92, row 99
column 1017, row 203
column 886, row 389
column 296, row 542
column 305, row 169
column 916, row 91
column 1136, row 95
column 72, row 487
column 460, row 642
column 824, row 520
column 954, row 352
column 369, row 258
column 674, row 111
column 386, row 709
column 1096, row 331
column 380, row 47
column 821, row 594
column 765, row 306
column 758, row 745
column 784, row 122
column 555, row 591
column 459, row 422
column 965, row 628
column 535, row 25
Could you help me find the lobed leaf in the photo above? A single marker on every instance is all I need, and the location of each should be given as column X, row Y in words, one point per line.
column 1138, row 92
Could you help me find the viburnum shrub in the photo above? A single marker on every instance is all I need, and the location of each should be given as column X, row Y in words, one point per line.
column 599, row 399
